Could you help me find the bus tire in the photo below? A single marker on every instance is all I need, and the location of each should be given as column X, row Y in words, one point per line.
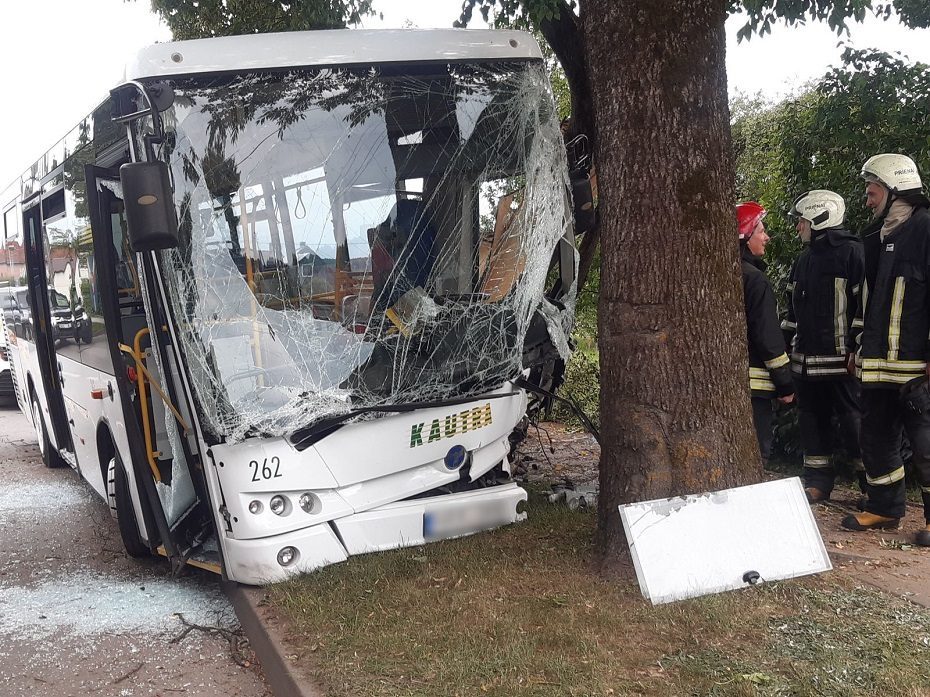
column 121, row 509
column 50, row 456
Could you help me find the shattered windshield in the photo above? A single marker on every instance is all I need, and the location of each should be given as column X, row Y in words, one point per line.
column 355, row 238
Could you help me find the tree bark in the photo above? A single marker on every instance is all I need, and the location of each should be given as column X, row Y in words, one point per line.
column 675, row 410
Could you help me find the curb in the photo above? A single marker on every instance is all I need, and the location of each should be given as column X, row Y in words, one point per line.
column 267, row 643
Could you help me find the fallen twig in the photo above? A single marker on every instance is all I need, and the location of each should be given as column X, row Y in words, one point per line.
column 539, row 431
column 238, row 644
column 129, row 674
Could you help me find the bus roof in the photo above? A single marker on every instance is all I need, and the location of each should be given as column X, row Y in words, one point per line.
column 329, row 47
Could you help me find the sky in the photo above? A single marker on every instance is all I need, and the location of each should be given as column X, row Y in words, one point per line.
column 61, row 57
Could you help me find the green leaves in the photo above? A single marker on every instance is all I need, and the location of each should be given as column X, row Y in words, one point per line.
column 194, row 19
column 914, row 13
column 762, row 14
column 874, row 102
column 522, row 14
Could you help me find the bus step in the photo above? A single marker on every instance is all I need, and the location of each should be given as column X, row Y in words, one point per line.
column 207, row 559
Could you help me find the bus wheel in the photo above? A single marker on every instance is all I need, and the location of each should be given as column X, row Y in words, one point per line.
column 121, row 509
column 49, row 456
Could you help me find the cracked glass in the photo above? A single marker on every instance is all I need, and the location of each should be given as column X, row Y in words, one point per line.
column 355, row 240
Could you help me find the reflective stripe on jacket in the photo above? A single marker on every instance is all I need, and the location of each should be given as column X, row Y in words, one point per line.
column 769, row 374
column 824, row 290
column 895, row 342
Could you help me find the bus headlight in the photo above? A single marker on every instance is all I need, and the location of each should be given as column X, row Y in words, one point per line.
column 287, row 556
column 255, row 507
column 310, row 503
column 278, row 505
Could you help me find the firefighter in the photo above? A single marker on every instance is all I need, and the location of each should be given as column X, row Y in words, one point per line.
column 769, row 374
column 892, row 362
column 824, row 288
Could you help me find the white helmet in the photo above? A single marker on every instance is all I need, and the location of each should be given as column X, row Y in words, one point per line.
column 824, row 209
column 898, row 173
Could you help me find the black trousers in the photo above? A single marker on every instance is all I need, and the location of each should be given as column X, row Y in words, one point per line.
column 818, row 402
column 762, row 420
column 884, row 419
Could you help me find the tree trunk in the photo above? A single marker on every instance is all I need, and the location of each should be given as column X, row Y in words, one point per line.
column 675, row 410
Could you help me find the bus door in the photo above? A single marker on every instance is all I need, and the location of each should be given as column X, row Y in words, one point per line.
column 171, row 489
column 41, row 326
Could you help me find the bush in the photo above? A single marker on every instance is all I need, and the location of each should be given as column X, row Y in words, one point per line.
column 583, row 386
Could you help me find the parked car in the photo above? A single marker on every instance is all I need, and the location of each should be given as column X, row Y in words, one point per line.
column 16, row 311
column 67, row 322
column 7, row 303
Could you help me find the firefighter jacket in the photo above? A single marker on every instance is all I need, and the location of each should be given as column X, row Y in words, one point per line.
column 896, row 297
column 823, row 297
column 769, row 375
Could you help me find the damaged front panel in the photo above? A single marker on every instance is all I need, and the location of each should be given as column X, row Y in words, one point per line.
column 362, row 239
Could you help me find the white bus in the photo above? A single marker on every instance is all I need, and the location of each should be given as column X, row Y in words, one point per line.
column 278, row 297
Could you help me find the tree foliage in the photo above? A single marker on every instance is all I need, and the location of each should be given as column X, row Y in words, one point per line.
column 558, row 22
column 762, row 14
column 873, row 102
column 195, row 19
column 522, row 12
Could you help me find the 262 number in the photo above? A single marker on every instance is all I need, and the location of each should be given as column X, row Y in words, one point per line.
column 266, row 470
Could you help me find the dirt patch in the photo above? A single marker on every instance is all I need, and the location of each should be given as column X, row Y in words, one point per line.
column 884, row 559
column 555, row 454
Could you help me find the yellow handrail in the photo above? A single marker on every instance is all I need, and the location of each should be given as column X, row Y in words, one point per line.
column 143, row 401
column 143, row 375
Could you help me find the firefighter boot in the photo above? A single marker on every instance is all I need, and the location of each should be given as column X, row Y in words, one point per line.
column 923, row 537
column 815, row 495
column 869, row 521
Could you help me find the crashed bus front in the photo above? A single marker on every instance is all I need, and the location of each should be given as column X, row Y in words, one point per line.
column 374, row 252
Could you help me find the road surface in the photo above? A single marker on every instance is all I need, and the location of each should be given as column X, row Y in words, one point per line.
column 79, row 617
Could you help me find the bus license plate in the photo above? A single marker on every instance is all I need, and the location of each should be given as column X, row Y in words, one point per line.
column 464, row 518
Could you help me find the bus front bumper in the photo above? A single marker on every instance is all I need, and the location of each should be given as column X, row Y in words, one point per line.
column 401, row 524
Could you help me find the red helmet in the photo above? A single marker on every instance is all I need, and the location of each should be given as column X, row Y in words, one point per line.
column 748, row 216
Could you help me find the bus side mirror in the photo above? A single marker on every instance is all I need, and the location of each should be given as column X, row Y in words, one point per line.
column 150, row 214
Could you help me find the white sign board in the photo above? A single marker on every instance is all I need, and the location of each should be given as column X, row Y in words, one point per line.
column 696, row 545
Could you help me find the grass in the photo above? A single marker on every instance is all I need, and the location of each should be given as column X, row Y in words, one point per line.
column 519, row 612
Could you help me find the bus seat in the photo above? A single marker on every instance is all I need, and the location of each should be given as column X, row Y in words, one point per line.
column 501, row 259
